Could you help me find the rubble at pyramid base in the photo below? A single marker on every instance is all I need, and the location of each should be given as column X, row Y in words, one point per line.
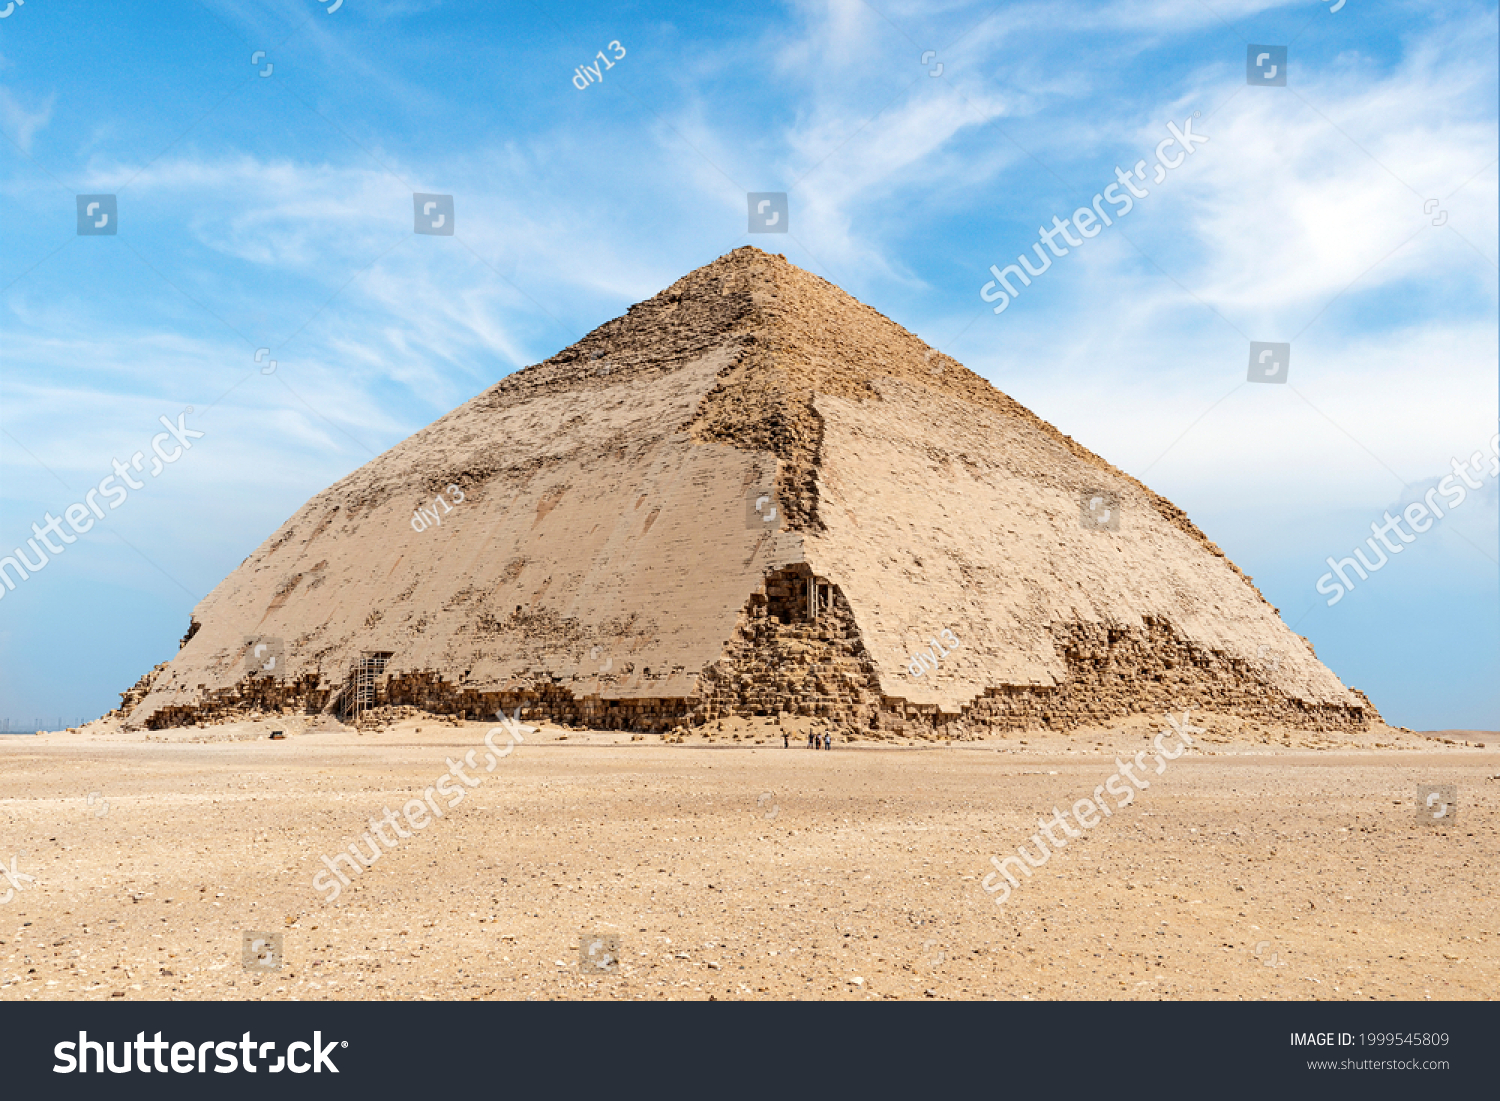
column 785, row 662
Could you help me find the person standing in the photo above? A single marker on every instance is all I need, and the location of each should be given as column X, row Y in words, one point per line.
column 786, row 740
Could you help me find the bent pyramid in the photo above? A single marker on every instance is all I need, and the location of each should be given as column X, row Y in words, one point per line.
column 749, row 495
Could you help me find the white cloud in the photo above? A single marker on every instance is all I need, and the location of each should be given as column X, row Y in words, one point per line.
column 22, row 122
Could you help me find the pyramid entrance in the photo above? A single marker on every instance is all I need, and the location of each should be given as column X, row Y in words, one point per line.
column 796, row 650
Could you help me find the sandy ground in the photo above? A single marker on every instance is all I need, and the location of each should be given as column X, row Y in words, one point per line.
column 1257, row 865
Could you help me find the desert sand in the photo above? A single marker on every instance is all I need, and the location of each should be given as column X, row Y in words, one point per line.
column 1259, row 864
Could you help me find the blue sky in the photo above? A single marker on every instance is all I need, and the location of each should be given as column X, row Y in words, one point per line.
column 1351, row 213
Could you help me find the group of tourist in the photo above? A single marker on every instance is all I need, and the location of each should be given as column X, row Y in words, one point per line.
column 814, row 740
